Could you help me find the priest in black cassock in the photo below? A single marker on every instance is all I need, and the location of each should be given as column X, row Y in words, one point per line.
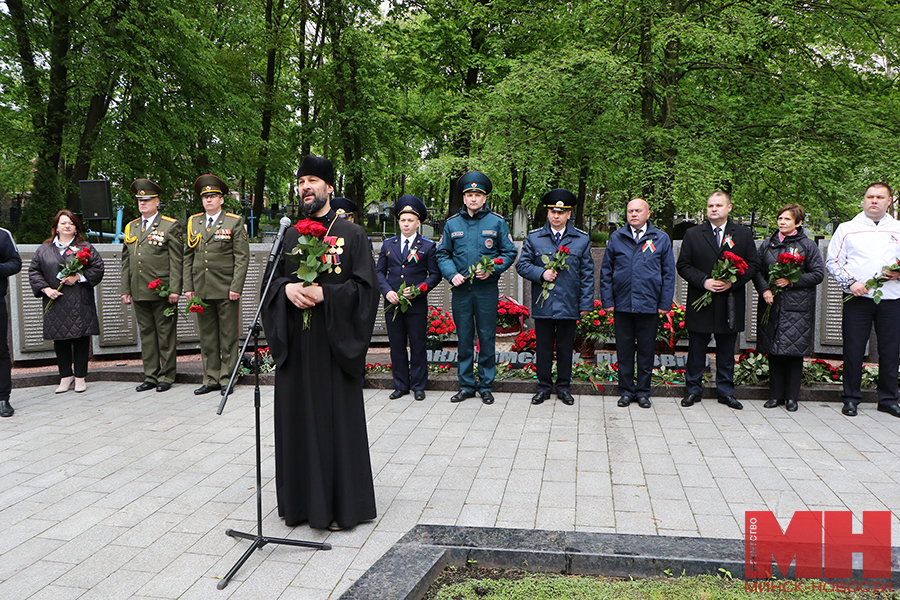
column 323, row 474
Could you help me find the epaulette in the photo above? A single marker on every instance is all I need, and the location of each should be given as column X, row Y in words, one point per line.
column 498, row 214
column 169, row 219
column 392, row 238
column 197, row 215
column 232, row 215
column 535, row 230
column 580, row 231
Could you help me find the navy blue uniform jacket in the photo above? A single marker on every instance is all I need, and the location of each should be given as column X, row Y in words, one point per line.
column 638, row 277
column 394, row 269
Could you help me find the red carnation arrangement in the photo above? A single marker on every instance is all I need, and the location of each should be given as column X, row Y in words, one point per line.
column 788, row 265
column 440, row 324
column 671, row 327
column 510, row 312
column 726, row 268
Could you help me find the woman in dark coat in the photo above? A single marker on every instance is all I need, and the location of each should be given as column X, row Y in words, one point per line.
column 71, row 318
column 788, row 335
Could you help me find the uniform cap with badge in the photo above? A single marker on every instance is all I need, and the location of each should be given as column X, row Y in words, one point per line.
column 343, row 206
column 559, row 200
column 144, row 189
column 210, row 185
column 475, row 181
column 410, row 204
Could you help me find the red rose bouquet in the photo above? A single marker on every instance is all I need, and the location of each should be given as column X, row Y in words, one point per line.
column 196, row 305
column 440, row 324
column 510, row 312
column 726, row 268
column 486, row 265
column 74, row 267
column 557, row 263
column 162, row 288
column 405, row 299
column 875, row 284
column 309, row 253
column 788, row 265
column 527, row 340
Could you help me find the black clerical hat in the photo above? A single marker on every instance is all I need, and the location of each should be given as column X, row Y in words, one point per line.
column 317, row 166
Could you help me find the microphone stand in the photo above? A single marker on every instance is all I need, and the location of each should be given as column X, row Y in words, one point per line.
column 259, row 540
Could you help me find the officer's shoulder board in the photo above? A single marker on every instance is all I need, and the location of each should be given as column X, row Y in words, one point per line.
column 580, row 231
column 535, row 230
column 228, row 214
column 200, row 214
column 169, row 219
column 392, row 238
column 497, row 214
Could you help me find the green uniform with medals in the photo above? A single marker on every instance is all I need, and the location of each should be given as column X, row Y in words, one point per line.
column 151, row 254
column 215, row 263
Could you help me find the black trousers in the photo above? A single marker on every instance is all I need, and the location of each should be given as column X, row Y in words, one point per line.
column 72, row 351
column 696, row 361
column 5, row 362
column 856, row 323
column 785, row 373
column 410, row 372
column 635, row 332
column 560, row 332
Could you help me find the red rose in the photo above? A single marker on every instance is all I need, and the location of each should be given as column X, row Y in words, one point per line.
column 597, row 323
column 498, row 261
column 564, row 249
column 154, row 284
column 681, row 324
column 431, row 330
column 602, row 313
column 423, row 287
column 610, row 321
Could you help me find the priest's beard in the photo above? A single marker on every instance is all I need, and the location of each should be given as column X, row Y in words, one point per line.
column 311, row 207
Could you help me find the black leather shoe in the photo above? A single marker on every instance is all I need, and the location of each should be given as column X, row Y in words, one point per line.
column 6, row 409
column 462, row 395
column 567, row 398
column 145, row 386
column 540, row 397
column 891, row 409
column 690, row 400
column 644, row 402
column 770, row 404
column 398, row 394
column 731, row 402
column 624, row 401
column 791, row 405
column 163, row 386
column 205, row 389
column 419, row 394
column 849, row 409
column 487, row 397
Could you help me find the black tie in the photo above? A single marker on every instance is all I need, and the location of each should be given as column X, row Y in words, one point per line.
column 637, row 235
column 558, row 237
column 718, row 239
column 144, row 228
column 209, row 224
column 406, row 249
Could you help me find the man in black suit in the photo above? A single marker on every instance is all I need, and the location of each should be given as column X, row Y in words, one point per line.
column 408, row 258
column 702, row 247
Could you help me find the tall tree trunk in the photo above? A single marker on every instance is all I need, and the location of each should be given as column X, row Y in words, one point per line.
column 273, row 27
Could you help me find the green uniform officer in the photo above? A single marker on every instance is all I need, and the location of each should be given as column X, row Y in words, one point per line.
column 152, row 256
column 215, row 267
column 468, row 236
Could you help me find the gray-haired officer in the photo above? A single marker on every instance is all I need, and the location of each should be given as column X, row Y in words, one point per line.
column 468, row 236
column 408, row 258
column 215, row 267
column 153, row 251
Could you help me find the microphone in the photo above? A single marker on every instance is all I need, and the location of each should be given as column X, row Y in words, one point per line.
column 276, row 246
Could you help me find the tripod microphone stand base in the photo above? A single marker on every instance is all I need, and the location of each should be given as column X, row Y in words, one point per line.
column 259, row 541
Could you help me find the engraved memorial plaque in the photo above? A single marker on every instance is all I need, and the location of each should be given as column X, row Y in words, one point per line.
column 830, row 313
column 29, row 311
column 118, row 326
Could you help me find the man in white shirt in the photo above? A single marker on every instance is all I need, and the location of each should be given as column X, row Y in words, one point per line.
column 859, row 252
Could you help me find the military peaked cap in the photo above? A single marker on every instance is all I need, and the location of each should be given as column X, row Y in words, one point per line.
column 210, row 184
column 475, row 181
column 343, row 206
column 559, row 200
column 410, row 204
column 144, row 189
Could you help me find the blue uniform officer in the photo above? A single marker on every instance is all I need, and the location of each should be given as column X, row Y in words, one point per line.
column 474, row 233
column 408, row 258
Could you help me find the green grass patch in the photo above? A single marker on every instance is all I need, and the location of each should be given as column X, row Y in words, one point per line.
column 496, row 584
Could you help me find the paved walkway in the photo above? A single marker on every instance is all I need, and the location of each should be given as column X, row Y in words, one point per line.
column 113, row 494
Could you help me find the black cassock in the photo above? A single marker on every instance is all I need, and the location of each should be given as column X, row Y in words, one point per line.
column 322, row 467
